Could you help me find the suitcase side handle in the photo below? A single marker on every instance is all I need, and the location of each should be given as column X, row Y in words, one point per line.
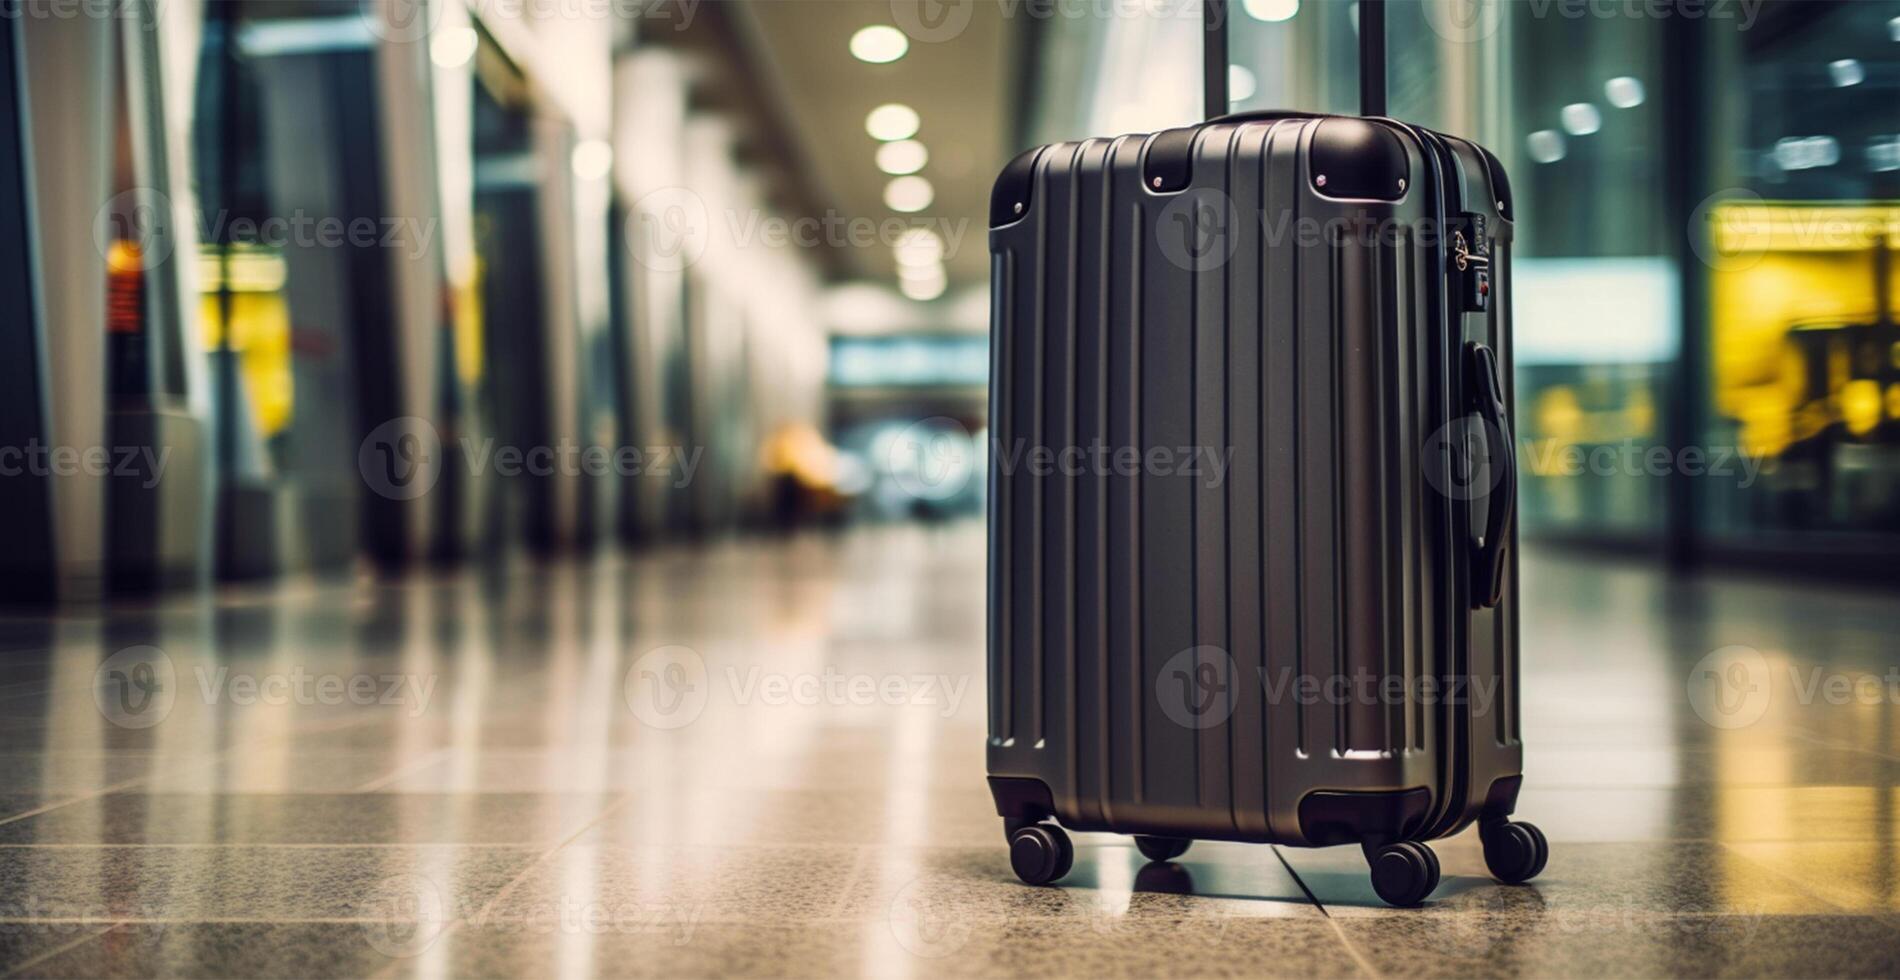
column 1488, row 550
column 1371, row 58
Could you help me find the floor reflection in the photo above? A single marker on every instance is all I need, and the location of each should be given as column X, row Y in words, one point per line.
column 765, row 758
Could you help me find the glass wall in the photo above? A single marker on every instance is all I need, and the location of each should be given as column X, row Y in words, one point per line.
column 1804, row 365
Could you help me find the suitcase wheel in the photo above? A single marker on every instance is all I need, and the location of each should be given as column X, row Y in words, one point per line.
column 1040, row 854
column 1162, row 848
column 1514, row 852
column 1403, row 873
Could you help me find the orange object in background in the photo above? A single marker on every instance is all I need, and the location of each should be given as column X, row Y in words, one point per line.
column 125, row 288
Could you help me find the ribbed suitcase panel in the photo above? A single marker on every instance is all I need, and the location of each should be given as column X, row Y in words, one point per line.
column 1244, row 508
column 1090, row 370
column 1317, row 370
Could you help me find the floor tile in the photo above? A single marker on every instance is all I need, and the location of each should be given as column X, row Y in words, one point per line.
column 533, row 821
column 1028, row 948
column 311, row 818
column 1110, row 882
column 1553, row 942
column 236, row 950
column 92, row 883
column 1630, row 880
column 705, row 883
column 1862, row 876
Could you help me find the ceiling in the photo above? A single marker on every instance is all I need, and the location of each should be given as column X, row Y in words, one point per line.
column 959, row 86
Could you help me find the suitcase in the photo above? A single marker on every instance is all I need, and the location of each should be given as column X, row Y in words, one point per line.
column 1251, row 514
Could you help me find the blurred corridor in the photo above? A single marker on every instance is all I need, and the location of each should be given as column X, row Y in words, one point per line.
column 766, row 759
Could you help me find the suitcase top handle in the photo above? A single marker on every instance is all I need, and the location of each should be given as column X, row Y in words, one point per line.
column 1371, row 57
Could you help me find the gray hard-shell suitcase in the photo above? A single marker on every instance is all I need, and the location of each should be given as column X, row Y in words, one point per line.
column 1251, row 559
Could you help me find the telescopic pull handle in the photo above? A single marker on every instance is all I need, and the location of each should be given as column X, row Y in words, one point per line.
column 1371, row 57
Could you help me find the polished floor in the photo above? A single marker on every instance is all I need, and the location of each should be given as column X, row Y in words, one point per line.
column 765, row 759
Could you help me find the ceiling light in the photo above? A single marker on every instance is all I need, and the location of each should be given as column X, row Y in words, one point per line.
column 902, row 157
column 1883, row 154
column 1581, row 119
column 1240, row 84
column 592, row 159
column 920, row 273
column 879, row 44
column 1545, row 146
column 1806, row 152
column 919, row 247
column 1846, row 72
column 1623, row 92
column 908, row 194
column 922, row 290
column 1271, row 11
column 452, row 47
column 1893, row 30
column 892, row 121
